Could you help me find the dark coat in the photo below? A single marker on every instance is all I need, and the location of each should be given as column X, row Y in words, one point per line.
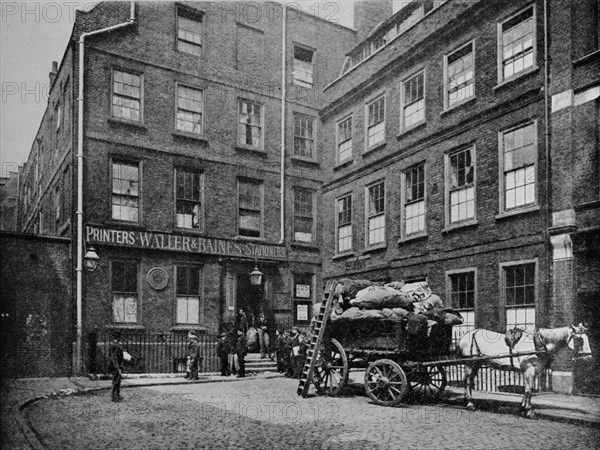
column 115, row 353
column 193, row 349
column 241, row 346
column 223, row 348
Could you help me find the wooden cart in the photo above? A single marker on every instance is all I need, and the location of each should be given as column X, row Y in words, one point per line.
column 399, row 359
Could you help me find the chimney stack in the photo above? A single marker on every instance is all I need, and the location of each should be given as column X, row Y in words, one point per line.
column 53, row 72
column 370, row 13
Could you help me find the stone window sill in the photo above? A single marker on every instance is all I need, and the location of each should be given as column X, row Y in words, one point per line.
column 128, row 123
column 413, row 237
column 192, row 136
column 457, row 226
column 516, row 212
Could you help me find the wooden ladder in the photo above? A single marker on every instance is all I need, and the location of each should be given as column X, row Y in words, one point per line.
column 316, row 340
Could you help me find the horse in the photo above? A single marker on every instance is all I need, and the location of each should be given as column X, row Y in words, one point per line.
column 539, row 345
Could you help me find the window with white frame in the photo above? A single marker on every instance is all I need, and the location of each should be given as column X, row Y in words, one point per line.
column 461, row 185
column 304, row 136
column 303, row 215
column 125, row 191
column 127, row 96
column 190, row 110
column 344, row 223
column 376, row 213
column 344, row 135
column 188, row 295
column 517, row 43
column 303, row 66
column 57, row 201
column 414, row 200
column 189, row 31
column 58, row 115
column 461, row 290
column 413, row 100
column 250, row 208
column 520, row 293
column 518, row 158
column 250, row 125
column 188, row 199
column 460, row 75
column 124, row 287
column 376, row 122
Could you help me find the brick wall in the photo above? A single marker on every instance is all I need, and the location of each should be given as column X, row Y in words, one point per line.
column 35, row 282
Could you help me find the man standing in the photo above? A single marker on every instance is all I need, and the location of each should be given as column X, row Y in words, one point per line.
column 241, row 350
column 115, row 366
column 223, row 354
column 193, row 357
column 264, row 330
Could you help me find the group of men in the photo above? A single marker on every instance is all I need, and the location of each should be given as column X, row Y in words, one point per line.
column 290, row 351
column 232, row 349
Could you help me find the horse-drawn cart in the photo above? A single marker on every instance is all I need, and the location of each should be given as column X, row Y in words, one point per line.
column 407, row 356
column 400, row 359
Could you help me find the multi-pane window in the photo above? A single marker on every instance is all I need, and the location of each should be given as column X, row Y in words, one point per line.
column 189, row 110
column 459, row 75
column 376, row 213
column 303, row 215
column 250, row 208
column 414, row 200
column 519, row 155
column 304, row 136
column 188, row 294
column 517, row 43
column 125, row 191
column 413, row 100
column 462, row 297
column 250, row 129
column 57, row 201
column 344, row 139
column 303, row 66
column 376, row 121
column 188, row 200
column 461, row 185
column 189, row 32
column 124, row 286
column 519, row 285
column 127, row 96
column 344, row 223
column 58, row 115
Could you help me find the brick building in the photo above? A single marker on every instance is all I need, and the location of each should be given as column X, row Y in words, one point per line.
column 183, row 179
column 463, row 149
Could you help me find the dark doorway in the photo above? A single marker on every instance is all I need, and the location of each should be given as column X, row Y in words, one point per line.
column 249, row 297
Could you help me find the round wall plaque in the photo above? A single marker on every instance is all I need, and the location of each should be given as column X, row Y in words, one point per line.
column 158, row 278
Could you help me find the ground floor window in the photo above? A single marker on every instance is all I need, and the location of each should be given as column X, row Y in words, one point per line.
column 519, row 291
column 124, row 282
column 188, row 295
column 461, row 292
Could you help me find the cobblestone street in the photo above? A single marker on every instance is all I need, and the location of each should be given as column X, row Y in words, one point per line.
column 267, row 414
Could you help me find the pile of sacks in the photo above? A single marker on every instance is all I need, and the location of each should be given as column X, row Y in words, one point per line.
column 361, row 299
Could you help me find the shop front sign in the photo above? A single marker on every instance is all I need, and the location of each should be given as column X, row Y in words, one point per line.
column 183, row 243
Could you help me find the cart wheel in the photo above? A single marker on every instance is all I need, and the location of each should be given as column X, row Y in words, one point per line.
column 385, row 382
column 428, row 381
column 331, row 368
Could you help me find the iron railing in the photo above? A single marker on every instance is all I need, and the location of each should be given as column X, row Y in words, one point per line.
column 155, row 352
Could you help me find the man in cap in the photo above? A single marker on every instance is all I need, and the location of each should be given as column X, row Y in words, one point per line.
column 115, row 366
column 193, row 357
column 241, row 350
column 223, row 349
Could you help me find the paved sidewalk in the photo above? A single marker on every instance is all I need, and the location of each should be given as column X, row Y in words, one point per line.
column 18, row 394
